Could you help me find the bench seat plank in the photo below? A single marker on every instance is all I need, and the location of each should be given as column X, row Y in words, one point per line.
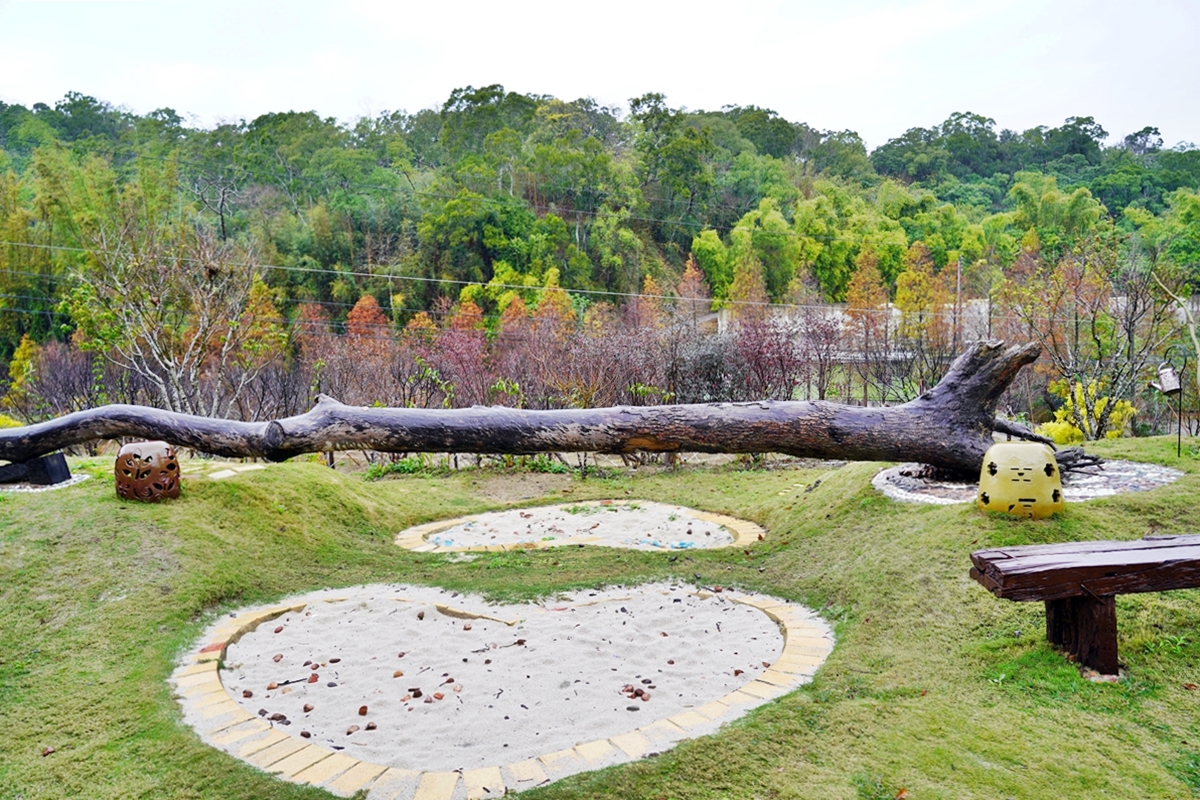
column 1095, row 569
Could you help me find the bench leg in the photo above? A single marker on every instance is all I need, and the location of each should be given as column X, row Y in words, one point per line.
column 1086, row 627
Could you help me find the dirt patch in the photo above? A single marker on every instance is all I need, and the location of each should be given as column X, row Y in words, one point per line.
column 524, row 486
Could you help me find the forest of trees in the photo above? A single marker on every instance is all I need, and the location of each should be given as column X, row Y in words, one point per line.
column 526, row 250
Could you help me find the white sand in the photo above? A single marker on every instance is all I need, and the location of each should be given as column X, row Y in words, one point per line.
column 639, row 525
column 551, row 681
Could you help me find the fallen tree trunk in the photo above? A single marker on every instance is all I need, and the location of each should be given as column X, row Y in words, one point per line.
column 949, row 427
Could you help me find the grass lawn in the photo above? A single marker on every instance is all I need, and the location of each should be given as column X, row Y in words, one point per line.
column 935, row 687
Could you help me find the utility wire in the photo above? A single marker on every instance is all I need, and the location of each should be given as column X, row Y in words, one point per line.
column 393, row 277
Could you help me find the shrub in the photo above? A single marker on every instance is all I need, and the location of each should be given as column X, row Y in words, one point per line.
column 1091, row 409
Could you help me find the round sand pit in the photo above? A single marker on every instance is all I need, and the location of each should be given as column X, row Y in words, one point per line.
column 393, row 688
column 629, row 524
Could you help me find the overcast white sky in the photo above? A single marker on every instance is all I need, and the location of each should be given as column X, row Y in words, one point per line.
column 875, row 66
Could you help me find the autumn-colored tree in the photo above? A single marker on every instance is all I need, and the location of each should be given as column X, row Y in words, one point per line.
column 1100, row 317
column 925, row 332
column 366, row 321
column 748, row 293
column 460, row 355
column 153, row 292
column 869, row 330
column 694, row 300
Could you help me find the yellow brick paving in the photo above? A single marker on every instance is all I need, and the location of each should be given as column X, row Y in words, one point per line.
column 225, row 724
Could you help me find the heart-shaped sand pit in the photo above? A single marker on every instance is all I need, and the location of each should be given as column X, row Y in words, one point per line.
column 408, row 690
column 630, row 524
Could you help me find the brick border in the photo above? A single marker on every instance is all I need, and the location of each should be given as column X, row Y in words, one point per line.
column 223, row 723
column 416, row 538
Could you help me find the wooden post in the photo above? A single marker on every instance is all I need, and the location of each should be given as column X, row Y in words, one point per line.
column 1086, row 627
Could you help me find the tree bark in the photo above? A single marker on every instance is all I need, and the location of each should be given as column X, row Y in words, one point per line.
column 949, row 427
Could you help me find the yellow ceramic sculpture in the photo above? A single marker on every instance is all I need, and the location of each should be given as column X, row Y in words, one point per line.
column 1022, row 479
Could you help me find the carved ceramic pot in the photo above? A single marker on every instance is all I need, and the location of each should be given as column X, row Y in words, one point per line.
column 147, row 471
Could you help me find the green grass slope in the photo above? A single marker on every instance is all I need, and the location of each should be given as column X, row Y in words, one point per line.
column 935, row 687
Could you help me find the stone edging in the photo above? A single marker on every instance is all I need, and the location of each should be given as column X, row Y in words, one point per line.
column 744, row 532
column 223, row 723
column 1115, row 477
column 24, row 488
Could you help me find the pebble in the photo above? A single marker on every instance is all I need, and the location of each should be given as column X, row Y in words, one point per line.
column 277, row 657
column 47, row 751
column 371, row 726
column 398, row 674
column 279, row 629
column 306, row 734
column 308, row 707
column 632, row 708
column 351, row 729
column 362, row 711
column 272, row 685
column 313, row 678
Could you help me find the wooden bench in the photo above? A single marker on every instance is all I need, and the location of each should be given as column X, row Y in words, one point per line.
column 1079, row 582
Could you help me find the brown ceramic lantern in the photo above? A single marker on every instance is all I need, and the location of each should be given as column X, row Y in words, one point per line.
column 147, row 471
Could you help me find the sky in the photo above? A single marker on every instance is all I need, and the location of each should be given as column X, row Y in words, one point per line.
column 877, row 67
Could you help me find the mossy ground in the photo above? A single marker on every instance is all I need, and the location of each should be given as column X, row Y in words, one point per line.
column 935, row 686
